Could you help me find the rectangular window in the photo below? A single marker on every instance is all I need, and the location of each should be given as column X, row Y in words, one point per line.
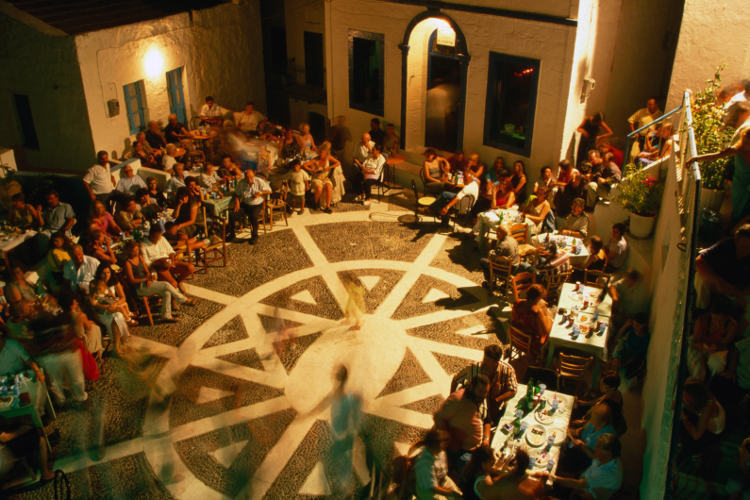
column 25, row 122
column 314, row 63
column 511, row 99
column 135, row 104
column 366, row 71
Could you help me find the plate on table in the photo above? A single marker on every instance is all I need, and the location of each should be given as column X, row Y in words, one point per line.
column 585, row 318
column 6, row 401
column 536, row 436
column 543, row 418
column 558, row 435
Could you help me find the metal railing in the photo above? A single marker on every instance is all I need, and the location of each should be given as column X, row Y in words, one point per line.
column 688, row 199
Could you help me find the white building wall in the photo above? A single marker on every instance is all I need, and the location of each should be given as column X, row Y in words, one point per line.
column 220, row 50
column 43, row 66
column 553, row 44
column 711, row 33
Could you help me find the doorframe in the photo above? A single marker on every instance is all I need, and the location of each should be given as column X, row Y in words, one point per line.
column 182, row 91
column 463, row 59
column 461, row 91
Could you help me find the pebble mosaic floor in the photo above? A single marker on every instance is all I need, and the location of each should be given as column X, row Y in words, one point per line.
column 232, row 401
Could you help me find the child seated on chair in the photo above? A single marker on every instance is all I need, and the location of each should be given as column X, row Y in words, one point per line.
column 299, row 184
column 102, row 297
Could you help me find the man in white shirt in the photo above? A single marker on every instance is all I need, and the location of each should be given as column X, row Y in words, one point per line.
column 644, row 116
column 363, row 149
column 99, row 181
column 80, row 270
column 130, row 182
column 161, row 257
column 249, row 195
column 448, row 199
column 368, row 173
column 247, row 121
column 170, row 159
column 212, row 112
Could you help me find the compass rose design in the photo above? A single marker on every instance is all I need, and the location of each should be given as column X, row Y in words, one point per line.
column 248, row 414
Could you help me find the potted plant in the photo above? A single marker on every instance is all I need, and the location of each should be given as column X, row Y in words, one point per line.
column 641, row 195
column 711, row 135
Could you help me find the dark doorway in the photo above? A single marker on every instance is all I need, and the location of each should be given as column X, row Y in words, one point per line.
column 314, row 63
column 444, row 107
column 275, row 60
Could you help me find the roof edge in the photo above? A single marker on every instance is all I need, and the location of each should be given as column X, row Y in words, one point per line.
column 32, row 22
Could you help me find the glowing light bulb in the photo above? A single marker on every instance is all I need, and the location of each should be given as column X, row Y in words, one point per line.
column 153, row 62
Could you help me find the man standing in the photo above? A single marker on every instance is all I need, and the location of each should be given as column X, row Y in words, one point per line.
column 502, row 377
column 80, row 270
column 643, row 117
column 161, row 257
column 448, row 199
column 339, row 135
column 247, row 121
column 249, row 195
column 368, row 173
column 99, row 181
column 376, row 133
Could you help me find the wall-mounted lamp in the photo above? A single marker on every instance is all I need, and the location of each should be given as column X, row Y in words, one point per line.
column 153, row 62
column 587, row 87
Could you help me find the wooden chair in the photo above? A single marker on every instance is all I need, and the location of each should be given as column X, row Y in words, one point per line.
column 520, row 232
column 501, row 268
column 141, row 303
column 214, row 252
column 573, row 368
column 275, row 204
column 556, row 280
column 598, row 279
column 521, row 344
column 522, row 282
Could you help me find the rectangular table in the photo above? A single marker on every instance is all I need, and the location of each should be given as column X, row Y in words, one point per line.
column 34, row 410
column 9, row 241
column 489, row 220
column 558, row 422
column 564, row 243
column 588, row 341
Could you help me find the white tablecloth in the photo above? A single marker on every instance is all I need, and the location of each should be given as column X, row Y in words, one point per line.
column 559, row 423
column 572, row 301
column 489, row 220
column 566, row 244
column 10, row 241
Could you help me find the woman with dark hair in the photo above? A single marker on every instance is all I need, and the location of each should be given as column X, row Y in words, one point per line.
column 545, row 179
column 185, row 213
column 532, row 316
column 108, row 311
column 520, row 182
column 590, row 129
column 103, row 220
column 505, row 197
column 702, row 422
column 435, row 172
column 97, row 244
column 597, row 256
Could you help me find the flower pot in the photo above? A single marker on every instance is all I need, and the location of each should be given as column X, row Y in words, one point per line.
column 711, row 199
column 641, row 226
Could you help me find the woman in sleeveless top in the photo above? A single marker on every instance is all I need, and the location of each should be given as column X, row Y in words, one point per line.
column 504, row 195
column 520, row 182
column 305, row 139
column 537, row 208
column 320, row 171
column 435, row 172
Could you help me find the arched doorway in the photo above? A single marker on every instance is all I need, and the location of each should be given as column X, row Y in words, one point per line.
column 433, row 84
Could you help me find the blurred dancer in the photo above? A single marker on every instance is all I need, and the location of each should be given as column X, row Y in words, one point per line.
column 355, row 304
column 346, row 415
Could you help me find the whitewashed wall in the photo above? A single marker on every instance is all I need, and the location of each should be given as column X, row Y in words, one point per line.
column 220, row 49
column 551, row 43
column 711, row 33
column 43, row 66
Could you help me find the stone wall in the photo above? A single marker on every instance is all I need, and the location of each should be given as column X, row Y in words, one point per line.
column 711, row 33
column 220, row 50
column 43, row 66
column 553, row 44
